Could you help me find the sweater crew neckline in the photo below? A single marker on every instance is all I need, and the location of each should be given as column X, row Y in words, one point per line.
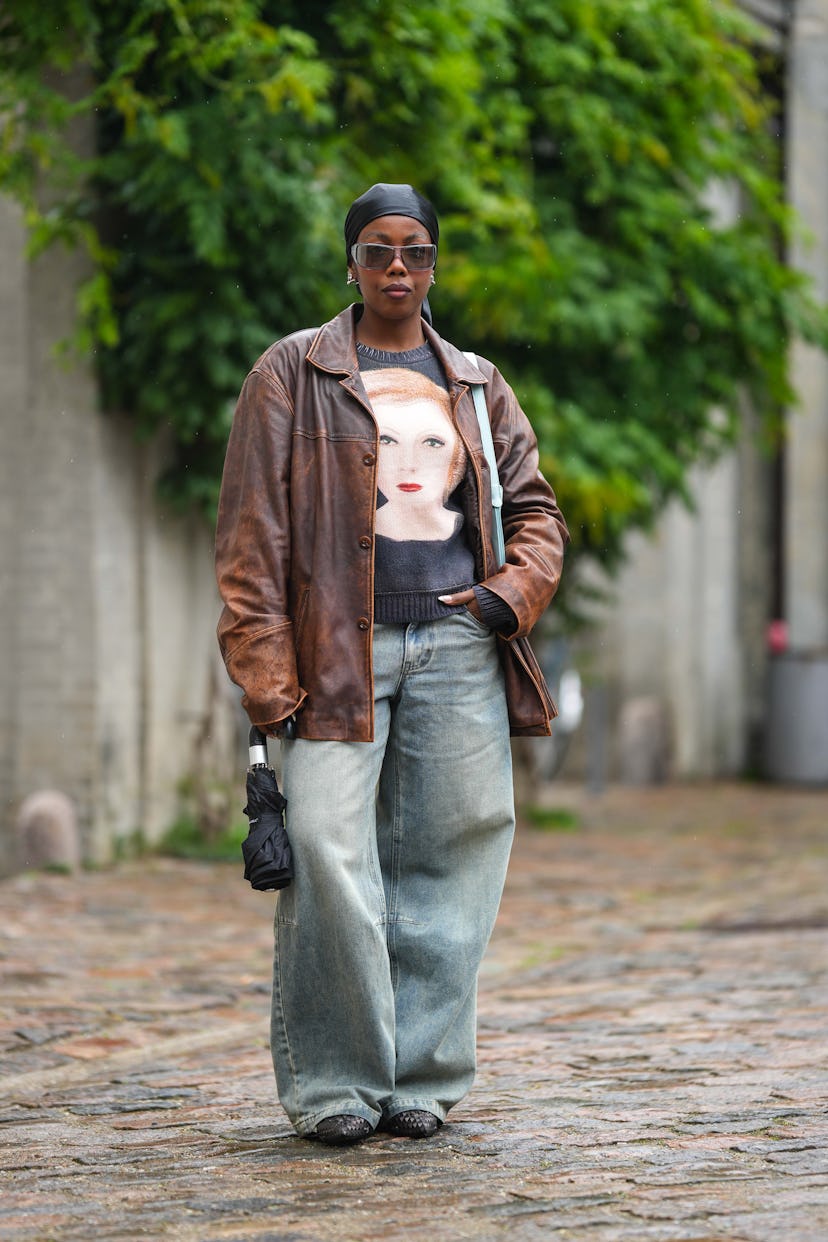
column 398, row 357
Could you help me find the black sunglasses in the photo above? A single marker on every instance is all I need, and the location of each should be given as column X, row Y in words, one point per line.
column 415, row 258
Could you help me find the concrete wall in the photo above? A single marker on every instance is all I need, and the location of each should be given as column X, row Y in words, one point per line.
column 684, row 628
column 109, row 686
column 13, row 396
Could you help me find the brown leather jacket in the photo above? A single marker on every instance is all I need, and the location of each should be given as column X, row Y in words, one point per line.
column 295, row 535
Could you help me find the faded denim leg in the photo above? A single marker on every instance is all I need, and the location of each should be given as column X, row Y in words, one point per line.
column 445, row 829
column 332, row 1019
column 332, row 1016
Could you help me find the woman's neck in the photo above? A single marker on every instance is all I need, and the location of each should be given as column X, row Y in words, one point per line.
column 394, row 335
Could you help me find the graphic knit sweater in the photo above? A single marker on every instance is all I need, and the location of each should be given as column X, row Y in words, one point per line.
column 421, row 547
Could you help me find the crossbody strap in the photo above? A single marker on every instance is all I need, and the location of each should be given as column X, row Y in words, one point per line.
column 482, row 412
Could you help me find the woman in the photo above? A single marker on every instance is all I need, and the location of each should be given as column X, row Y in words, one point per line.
column 386, row 635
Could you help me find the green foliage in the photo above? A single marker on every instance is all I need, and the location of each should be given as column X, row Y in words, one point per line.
column 575, row 152
column 202, row 190
column 552, row 818
column 186, row 839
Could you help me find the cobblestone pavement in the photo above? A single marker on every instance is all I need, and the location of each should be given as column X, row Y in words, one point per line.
column 653, row 1036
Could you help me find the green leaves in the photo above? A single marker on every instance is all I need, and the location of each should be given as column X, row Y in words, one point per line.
column 201, row 188
column 587, row 158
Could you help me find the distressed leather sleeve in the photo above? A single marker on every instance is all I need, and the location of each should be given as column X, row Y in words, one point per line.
column 255, row 631
column 534, row 528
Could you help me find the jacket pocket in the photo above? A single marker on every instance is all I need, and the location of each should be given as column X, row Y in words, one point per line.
column 531, row 707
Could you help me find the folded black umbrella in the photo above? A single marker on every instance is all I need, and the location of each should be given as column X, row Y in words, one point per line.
column 266, row 849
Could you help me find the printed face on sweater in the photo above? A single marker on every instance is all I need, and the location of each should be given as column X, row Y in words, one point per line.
column 421, row 457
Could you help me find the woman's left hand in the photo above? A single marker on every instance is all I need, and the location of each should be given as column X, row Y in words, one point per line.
column 463, row 597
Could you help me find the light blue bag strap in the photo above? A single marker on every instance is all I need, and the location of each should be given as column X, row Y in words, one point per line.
column 489, row 452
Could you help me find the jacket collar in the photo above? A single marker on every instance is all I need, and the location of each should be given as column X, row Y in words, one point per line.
column 334, row 349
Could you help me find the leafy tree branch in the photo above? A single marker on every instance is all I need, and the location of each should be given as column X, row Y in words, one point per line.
column 573, row 151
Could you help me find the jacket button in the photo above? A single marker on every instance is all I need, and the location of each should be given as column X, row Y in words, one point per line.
column 368, row 459
column 365, row 542
column 363, row 623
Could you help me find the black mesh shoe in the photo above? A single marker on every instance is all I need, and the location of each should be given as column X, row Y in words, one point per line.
column 342, row 1129
column 414, row 1123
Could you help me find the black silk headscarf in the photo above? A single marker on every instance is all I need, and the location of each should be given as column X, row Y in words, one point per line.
column 390, row 200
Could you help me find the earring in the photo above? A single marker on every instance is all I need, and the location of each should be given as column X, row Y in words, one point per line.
column 351, row 279
column 432, row 281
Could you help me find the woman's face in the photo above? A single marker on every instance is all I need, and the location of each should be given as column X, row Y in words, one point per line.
column 417, row 448
column 393, row 292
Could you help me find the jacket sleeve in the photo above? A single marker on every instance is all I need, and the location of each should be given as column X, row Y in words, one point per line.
column 255, row 631
column 534, row 528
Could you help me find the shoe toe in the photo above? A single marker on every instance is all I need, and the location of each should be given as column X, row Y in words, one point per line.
column 341, row 1129
column 413, row 1123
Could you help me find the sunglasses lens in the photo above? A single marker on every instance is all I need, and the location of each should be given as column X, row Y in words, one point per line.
column 373, row 256
column 419, row 257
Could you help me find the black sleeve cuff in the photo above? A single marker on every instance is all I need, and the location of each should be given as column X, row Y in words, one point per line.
column 495, row 611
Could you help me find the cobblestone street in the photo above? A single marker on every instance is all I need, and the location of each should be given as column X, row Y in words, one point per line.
column 653, row 1040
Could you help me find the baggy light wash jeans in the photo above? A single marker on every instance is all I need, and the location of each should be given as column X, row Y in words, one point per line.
column 400, row 850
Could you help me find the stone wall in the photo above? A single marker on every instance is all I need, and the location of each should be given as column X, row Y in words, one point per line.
column 110, row 689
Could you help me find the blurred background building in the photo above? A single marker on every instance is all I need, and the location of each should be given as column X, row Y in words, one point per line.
column 111, row 687
column 716, row 642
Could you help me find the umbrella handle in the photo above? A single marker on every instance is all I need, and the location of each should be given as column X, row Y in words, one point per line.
column 257, row 740
column 257, row 743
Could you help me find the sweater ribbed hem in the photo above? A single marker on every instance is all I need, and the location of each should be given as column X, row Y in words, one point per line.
column 404, row 607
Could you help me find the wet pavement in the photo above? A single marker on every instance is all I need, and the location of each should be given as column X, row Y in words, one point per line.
column 653, row 1047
